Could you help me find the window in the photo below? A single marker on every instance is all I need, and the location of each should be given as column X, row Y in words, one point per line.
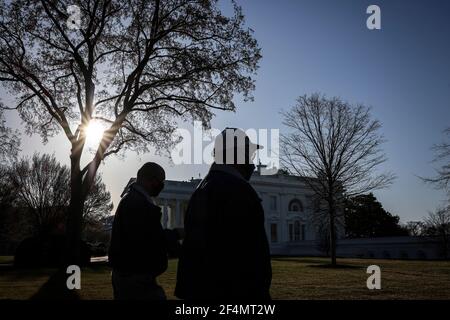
column 295, row 206
column 296, row 230
column 273, row 232
column 273, row 203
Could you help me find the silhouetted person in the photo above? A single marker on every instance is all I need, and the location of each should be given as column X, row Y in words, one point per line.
column 138, row 251
column 225, row 253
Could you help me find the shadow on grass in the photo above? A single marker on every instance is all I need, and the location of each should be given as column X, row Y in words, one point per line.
column 6, row 267
column 19, row 274
column 339, row 266
column 56, row 289
column 315, row 262
column 298, row 260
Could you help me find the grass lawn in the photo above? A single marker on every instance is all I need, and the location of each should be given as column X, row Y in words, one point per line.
column 293, row 278
column 6, row 259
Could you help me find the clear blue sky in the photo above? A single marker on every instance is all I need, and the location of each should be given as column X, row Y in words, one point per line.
column 402, row 71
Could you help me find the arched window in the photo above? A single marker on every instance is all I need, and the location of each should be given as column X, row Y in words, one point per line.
column 295, row 206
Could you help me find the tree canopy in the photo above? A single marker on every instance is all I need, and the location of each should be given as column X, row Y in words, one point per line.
column 137, row 66
column 336, row 148
column 40, row 185
column 365, row 217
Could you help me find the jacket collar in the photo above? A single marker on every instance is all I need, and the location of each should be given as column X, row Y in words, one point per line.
column 227, row 169
column 144, row 193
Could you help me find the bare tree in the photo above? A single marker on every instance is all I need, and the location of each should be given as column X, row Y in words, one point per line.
column 41, row 186
column 415, row 228
column 335, row 147
column 442, row 156
column 136, row 65
column 9, row 144
column 437, row 224
column 7, row 193
column 9, row 148
column 98, row 203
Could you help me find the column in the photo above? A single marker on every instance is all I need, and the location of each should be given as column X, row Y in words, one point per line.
column 177, row 214
column 284, row 236
column 171, row 215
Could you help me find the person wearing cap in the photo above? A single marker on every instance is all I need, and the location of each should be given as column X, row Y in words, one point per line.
column 225, row 252
column 138, row 250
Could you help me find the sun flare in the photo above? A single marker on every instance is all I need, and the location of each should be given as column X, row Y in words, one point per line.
column 94, row 133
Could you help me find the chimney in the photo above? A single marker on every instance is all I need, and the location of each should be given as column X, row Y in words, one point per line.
column 259, row 167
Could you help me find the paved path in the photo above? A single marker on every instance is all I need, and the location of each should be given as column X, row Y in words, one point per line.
column 99, row 259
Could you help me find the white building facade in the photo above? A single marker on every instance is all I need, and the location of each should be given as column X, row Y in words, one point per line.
column 287, row 203
column 291, row 221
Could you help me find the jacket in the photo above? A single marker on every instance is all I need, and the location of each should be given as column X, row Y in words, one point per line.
column 138, row 242
column 225, row 253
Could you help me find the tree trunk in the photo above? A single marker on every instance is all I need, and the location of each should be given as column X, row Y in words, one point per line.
column 332, row 211
column 80, row 184
column 75, row 215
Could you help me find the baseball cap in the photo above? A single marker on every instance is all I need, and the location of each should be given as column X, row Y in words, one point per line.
column 233, row 146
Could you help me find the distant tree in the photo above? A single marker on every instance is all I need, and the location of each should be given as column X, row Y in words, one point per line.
column 437, row 224
column 442, row 156
column 14, row 223
column 136, row 65
column 42, row 187
column 415, row 228
column 7, row 193
column 98, row 203
column 97, row 209
column 9, row 144
column 9, row 148
column 365, row 217
column 338, row 145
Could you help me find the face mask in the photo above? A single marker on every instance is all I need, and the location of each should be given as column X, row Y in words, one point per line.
column 159, row 188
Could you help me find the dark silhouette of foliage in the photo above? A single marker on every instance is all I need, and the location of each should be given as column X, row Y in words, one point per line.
column 365, row 217
column 135, row 65
column 41, row 187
